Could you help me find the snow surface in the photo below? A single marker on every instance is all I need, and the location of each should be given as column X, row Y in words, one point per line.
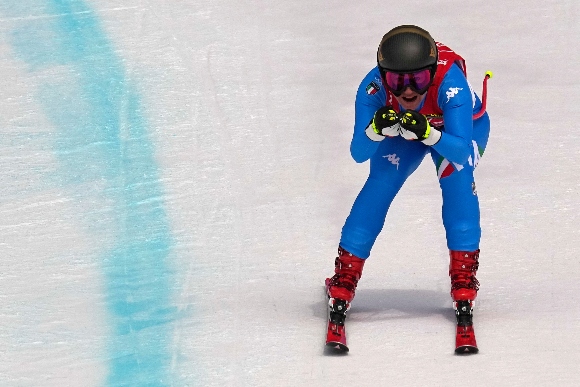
column 175, row 176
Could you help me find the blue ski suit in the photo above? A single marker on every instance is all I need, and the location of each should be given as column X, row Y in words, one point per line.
column 394, row 159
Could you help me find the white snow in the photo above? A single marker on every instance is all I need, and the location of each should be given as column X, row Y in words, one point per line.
column 247, row 114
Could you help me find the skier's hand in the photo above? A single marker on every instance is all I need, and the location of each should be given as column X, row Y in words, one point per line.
column 386, row 122
column 414, row 126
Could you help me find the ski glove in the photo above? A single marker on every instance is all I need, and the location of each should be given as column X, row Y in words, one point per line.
column 385, row 123
column 414, row 126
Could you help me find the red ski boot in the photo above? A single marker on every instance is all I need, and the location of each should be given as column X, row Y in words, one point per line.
column 464, row 287
column 340, row 290
column 462, row 270
column 348, row 270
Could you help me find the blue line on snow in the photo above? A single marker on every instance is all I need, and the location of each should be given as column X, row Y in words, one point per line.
column 103, row 137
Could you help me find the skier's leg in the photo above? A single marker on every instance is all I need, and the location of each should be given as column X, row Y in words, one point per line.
column 461, row 210
column 462, row 228
column 461, row 218
column 395, row 160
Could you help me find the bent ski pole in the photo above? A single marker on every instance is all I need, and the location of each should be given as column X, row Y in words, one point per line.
column 481, row 112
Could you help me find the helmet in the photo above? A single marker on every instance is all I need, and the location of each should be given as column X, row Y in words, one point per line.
column 407, row 48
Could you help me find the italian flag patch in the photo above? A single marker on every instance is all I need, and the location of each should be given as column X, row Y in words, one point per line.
column 372, row 88
column 446, row 168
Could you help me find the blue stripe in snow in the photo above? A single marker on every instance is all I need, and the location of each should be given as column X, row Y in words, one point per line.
column 103, row 141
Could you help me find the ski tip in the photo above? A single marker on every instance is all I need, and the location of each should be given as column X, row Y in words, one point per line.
column 333, row 347
column 466, row 350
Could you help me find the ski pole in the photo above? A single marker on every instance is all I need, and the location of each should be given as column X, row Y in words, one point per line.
column 481, row 112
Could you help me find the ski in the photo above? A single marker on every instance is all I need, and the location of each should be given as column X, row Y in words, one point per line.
column 336, row 332
column 465, row 342
column 465, row 338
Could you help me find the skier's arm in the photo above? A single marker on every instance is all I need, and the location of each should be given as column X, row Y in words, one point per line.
column 458, row 103
column 364, row 142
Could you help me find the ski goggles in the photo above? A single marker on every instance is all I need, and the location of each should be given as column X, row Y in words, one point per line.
column 418, row 81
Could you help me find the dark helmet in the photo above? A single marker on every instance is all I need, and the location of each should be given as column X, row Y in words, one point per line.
column 407, row 48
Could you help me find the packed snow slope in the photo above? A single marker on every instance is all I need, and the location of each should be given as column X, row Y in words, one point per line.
column 176, row 174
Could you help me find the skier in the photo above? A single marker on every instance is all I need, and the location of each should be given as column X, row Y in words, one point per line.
column 416, row 101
